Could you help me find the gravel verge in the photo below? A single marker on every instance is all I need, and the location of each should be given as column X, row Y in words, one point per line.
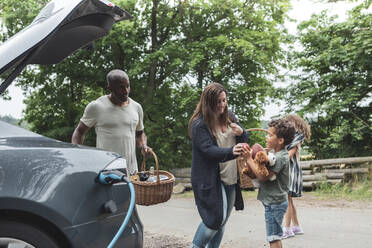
column 152, row 240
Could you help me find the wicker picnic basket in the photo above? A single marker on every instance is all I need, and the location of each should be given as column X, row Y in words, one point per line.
column 245, row 180
column 151, row 193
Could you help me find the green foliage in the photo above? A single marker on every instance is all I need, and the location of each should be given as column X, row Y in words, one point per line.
column 334, row 86
column 235, row 43
column 170, row 51
column 357, row 191
column 16, row 16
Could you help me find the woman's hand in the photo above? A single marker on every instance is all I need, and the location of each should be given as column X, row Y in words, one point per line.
column 242, row 149
column 236, row 129
column 238, row 149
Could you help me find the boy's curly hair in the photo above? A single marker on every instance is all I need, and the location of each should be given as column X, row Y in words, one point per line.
column 284, row 129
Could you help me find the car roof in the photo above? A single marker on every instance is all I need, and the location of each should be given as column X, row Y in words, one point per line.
column 58, row 30
column 9, row 130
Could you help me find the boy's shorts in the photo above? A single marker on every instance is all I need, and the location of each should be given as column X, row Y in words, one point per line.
column 274, row 217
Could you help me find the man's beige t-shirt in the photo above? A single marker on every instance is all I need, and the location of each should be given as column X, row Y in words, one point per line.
column 229, row 169
column 116, row 127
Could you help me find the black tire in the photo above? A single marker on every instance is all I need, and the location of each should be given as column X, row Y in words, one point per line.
column 26, row 233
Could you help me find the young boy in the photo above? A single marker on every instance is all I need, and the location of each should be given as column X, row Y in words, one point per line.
column 274, row 194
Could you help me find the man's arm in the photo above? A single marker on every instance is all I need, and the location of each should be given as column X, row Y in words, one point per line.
column 141, row 142
column 141, row 139
column 79, row 133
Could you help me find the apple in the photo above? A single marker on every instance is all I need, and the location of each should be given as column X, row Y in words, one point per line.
column 246, row 146
column 256, row 148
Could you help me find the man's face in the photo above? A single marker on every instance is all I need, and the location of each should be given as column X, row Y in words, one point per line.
column 120, row 90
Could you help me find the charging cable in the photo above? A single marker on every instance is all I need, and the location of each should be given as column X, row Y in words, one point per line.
column 115, row 176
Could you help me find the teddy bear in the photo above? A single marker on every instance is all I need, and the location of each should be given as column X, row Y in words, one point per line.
column 262, row 161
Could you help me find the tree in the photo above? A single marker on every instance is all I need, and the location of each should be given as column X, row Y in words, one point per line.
column 334, row 86
column 170, row 50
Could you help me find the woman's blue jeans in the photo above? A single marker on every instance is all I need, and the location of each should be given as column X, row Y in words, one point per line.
column 210, row 238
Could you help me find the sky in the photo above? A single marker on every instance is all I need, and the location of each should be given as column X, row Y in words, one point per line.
column 301, row 11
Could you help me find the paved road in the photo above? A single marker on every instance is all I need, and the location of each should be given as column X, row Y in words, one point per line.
column 326, row 225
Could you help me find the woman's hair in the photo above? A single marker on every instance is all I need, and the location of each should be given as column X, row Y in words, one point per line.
column 207, row 108
column 300, row 125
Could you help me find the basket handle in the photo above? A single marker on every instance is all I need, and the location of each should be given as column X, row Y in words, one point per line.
column 258, row 129
column 156, row 162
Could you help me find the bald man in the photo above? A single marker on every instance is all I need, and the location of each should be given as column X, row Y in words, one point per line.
column 118, row 121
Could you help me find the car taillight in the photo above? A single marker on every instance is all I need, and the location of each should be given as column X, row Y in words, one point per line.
column 119, row 164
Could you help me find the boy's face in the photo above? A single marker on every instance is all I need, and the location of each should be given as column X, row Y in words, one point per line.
column 272, row 141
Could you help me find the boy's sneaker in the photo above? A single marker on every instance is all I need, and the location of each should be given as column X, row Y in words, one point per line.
column 297, row 230
column 287, row 232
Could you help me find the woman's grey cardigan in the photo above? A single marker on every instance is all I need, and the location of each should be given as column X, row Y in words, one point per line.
column 205, row 172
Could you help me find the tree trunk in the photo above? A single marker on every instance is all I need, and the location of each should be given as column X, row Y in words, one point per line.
column 306, row 165
column 154, row 47
column 356, row 160
column 332, row 175
column 317, row 177
column 351, row 171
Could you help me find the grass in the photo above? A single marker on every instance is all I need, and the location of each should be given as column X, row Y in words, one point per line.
column 190, row 194
column 359, row 188
column 356, row 190
column 249, row 194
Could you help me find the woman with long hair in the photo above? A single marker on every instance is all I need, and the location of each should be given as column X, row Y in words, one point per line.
column 217, row 140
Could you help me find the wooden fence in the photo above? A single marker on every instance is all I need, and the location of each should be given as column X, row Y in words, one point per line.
column 332, row 171
column 315, row 172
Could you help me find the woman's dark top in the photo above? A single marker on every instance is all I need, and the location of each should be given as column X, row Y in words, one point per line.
column 205, row 172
